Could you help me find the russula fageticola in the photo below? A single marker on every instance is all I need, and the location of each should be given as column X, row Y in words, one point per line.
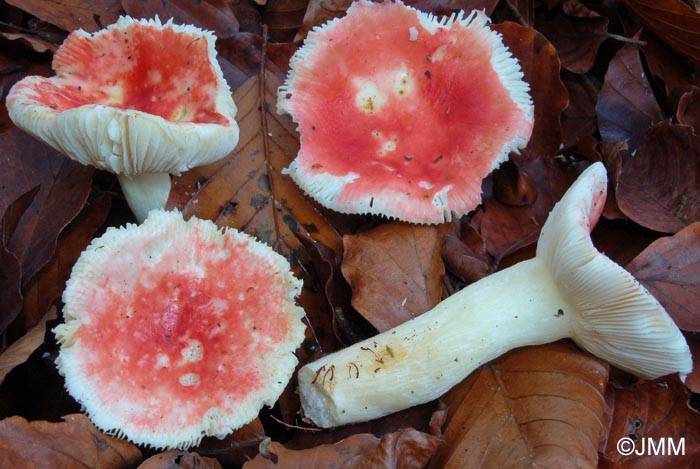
column 139, row 98
column 177, row 330
column 568, row 290
column 403, row 114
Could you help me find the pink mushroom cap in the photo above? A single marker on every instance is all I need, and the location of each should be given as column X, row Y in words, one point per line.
column 404, row 114
column 175, row 330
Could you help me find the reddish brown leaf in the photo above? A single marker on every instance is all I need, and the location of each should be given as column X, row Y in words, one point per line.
column 461, row 259
column 610, row 153
column 35, row 42
column 513, row 187
column 507, row 229
column 73, row 14
column 659, row 187
column 395, row 272
column 75, row 442
column 688, row 112
column 238, row 447
column 407, row 448
column 670, row 269
column 47, row 286
column 579, row 118
column 175, row 459
column 284, row 18
column 653, row 410
column 22, row 348
column 536, row 406
column 213, row 15
column 626, row 107
column 673, row 21
column 576, row 32
column 247, row 190
column 540, row 64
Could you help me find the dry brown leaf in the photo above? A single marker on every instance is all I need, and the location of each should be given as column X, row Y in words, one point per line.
column 35, row 42
column 659, row 187
column 540, row 64
column 656, row 410
column 576, row 32
column 673, row 21
column 213, row 15
column 626, row 106
column 688, row 112
column 534, row 407
column 175, row 459
column 284, row 18
column 73, row 14
column 22, row 348
column 407, row 448
column 579, row 119
column 395, row 272
column 247, row 190
column 75, row 442
column 670, row 269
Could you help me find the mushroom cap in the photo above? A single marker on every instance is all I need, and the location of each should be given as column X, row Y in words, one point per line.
column 136, row 97
column 177, row 330
column 402, row 113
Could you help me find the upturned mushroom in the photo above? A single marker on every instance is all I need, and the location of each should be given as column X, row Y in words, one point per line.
column 402, row 113
column 569, row 290
column 176, row 330
column 139, row 98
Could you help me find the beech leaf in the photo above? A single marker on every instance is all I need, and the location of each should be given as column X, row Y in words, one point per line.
column 673, row 21
column 407, row 448
column 535, row 406
column 659, row 187
column 688, row 112
column 540, row 64
column 75, row 442
column 22, row 348
column 653, row 410
column 626, row 106
column 73, row 14
column 395, row 272
column 670, row 269
column 212, row 15
column 175, row 459
column 247, row 190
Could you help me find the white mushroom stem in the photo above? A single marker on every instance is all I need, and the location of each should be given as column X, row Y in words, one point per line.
column 145, row 192
column 568, row 290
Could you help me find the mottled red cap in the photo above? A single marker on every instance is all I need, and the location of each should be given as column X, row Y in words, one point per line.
column 177, row 330
column 404, row 114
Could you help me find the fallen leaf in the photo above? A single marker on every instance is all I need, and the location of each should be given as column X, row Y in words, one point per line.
column 512, row 186
column 247, row 190
column 670, row 269
column 75, row 442
column 626, row 106
column 35, row 42
column 212, row 15
column 673, row 21
column 540, row 64
column 507, row 229
column 610, row 154
column 688, row 112
column 175, row 459
column 579, row 118
column 464, row 253
column 651, row 410
column 407, row 448
column 21, row 349
column 576, row 32
column 395, row 272
column 535, row 406
column 284, row 18
column 73, row 14
column 47, row 286
column 237, row 448
column 659, row 187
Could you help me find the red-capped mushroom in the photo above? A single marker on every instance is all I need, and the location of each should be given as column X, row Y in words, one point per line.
column 176, row 330
column 404, row 114
column 139, row 98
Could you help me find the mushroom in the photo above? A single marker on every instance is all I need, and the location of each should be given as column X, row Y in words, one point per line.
column 402, row 113
column 176, row 330
column 568, row 290
column 139, row 98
